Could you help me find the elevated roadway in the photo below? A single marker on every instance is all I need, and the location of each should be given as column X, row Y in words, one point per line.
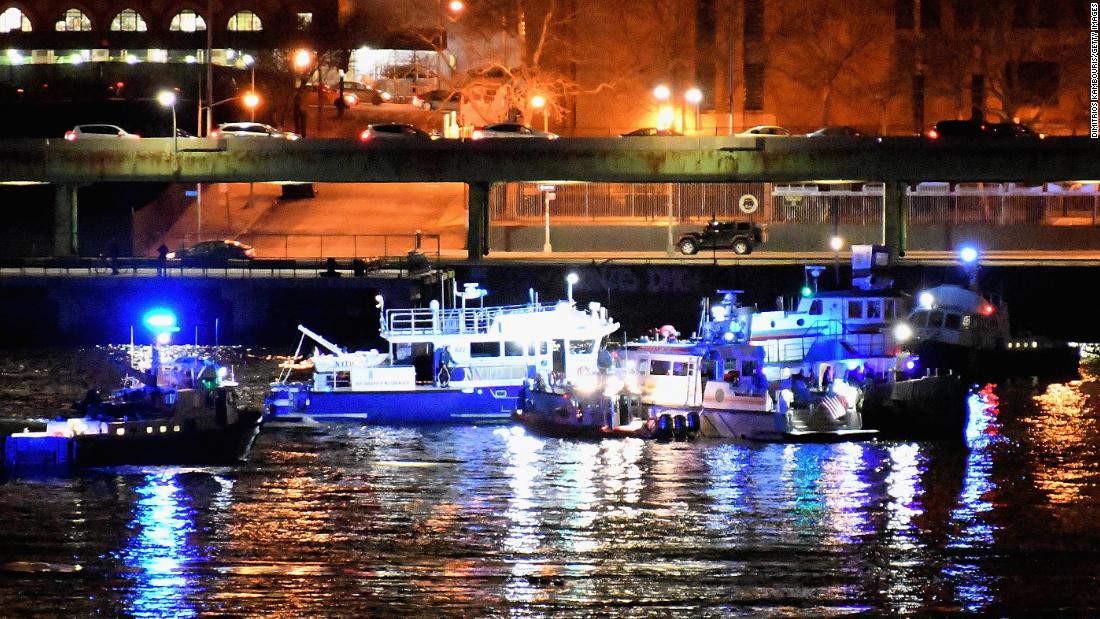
column 893, row 161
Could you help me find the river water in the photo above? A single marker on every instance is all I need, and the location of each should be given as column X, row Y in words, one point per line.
column 351, row 521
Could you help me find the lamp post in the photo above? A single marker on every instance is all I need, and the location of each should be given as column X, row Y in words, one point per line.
column 167, row 98
column 836, row 243
column 665, row 114
column 539, row 103
column 548, row 194
column 250, row 62
column 693, row 96
column 570, row 279
column 302, row 60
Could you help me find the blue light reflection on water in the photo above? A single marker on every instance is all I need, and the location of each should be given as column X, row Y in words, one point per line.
column 158, row 553
column 493, row 521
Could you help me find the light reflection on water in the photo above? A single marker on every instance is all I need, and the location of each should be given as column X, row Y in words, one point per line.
column 352, row 521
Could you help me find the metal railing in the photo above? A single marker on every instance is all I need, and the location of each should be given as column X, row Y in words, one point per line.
column 306, row 246
column 423, row 321
column 932, row 203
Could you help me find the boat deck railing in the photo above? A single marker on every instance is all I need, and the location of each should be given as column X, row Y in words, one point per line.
column 472, row 320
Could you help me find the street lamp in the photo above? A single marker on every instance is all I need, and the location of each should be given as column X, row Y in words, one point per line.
column 251, row 100
column 836, row 243
column 167, row 98
column 665, row 114
column 539, row 103
column 570, row 279
column 250, row 62
column 694, row 96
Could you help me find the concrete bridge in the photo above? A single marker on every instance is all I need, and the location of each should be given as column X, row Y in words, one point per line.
column 896, row 162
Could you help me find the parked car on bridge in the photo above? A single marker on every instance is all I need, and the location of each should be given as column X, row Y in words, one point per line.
column 650, row 132
column 957, row 129
column 764, row 131
column 400, row 131
column 740, row 236
column 974, row 128
column 98, row 132
column 251, row 130
column 1013, row 130
column 510, row 130
column 833, row 131
column 208, row 253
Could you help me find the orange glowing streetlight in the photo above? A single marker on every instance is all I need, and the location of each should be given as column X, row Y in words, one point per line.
column 456, row 6
column 539, row 103
column 302, row 59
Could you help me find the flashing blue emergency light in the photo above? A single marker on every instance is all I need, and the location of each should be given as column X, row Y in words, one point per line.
column 910, row 365
column 160, row 320
column 968, row 254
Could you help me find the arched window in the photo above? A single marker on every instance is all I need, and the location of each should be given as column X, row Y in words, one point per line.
column 187, row 21
column 12, row 20
column 73, row 20
column 245, row 21
column 128, row 20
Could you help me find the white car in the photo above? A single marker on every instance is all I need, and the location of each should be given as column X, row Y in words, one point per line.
column 510, row 130
column 98, row 132
column 764, row 131
column 251, row 130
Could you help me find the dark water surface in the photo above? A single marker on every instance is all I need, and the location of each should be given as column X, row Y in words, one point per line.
column 459, row 522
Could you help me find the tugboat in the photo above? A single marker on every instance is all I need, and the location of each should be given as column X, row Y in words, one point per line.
column 180, row 412
column 459, row 365
column 955, row 329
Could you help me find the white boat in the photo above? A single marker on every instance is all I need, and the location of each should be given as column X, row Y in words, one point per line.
column 463, row 364
column 849, row 328
column 716, row 384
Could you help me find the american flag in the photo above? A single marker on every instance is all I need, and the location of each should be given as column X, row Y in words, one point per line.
column 836, row 405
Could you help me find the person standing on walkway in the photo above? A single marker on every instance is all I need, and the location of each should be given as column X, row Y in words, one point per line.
column 162, row 260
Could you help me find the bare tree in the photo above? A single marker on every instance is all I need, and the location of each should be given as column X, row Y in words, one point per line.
column 832, row 48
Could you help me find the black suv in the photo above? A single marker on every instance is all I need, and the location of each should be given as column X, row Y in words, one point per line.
column 740, row 236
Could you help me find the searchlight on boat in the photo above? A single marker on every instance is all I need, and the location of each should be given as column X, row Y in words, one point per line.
column 926, row 299
column 160, row 321
column 902, row 332
column 968, row 254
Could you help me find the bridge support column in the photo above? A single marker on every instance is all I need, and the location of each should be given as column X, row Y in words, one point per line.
column 894, row 232
column 477, row 230
column 65, row 242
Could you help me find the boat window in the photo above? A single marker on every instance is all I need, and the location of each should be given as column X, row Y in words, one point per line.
column 748, row 367
column 935, row 318
column 890, row 309
column 952, row 321
column 579, row 347
column 540, row 346
column 919, row 318
column 342, row 380
column 966, row 321
column 874, row 308
column 405, row 354
column 484, row 349
column 855, row 309
column 658, row 367
column 680, row 368
column 815, row 308
column 513, row 349
column 643, row 366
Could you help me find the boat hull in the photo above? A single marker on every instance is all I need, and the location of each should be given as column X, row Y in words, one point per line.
column 293, row 404
column 228, row 444
column 929, row 408
column 1047, row 361
column 564, row 414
